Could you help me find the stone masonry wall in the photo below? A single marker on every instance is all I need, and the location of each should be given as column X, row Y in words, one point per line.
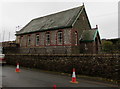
column 38, row 50
column 100, row 65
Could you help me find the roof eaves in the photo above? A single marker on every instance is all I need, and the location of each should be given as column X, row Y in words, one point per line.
column 42, row 30
column 87, row 40
column 95, row 35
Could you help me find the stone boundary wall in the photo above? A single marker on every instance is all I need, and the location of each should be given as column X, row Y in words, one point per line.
column 97, row 65
column 38, row 50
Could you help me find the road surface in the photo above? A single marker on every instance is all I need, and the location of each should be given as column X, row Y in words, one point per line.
column 0, row 75
column 39, row 78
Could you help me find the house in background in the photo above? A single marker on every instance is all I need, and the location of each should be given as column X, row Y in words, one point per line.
column 66, row 32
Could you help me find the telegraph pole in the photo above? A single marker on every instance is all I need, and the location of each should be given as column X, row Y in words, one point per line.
column 9, row 37
column 3, row 35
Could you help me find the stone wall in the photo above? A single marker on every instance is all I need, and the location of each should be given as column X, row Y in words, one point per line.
column 101, row 65
column 38, row 50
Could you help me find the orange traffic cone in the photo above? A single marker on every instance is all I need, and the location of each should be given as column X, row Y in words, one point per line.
column 17, row 68
column 73, row 77
column 54, row 87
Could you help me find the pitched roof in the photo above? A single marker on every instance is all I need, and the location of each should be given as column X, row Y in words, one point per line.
column 59, row 20
column 88, row 35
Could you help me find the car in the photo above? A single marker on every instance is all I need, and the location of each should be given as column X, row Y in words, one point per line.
column 2, row 57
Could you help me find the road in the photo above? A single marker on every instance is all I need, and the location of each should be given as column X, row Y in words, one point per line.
column 0, row 75
column 39, row 78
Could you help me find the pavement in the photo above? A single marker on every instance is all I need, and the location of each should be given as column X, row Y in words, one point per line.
column 39, row 78
column 0, row 75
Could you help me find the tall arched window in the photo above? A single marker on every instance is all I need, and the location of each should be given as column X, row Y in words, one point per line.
column 76, row 37
column 37, row 39
column 60, row 37
column 48, row 38
column 21, row 43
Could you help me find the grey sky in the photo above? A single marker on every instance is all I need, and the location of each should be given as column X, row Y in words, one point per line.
column 119, row 19
column 104, row 14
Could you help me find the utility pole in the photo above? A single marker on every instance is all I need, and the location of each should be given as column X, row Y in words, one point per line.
column 9, row 37
column 3, row 35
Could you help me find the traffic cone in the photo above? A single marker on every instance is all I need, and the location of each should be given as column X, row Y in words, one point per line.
column 54, row 87
column 17, row 68
column 73, row 77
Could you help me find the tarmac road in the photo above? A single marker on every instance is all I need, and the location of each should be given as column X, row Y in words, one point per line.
column 0, row 75
column 39, row 78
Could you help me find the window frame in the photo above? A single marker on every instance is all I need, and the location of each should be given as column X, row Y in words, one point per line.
column 48, row 39
column 60, row 37
column 28, row 40
column 21, row 43
column 76, row 37
column 37, row 40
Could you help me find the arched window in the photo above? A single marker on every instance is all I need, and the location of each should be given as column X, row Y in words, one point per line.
column 21, row 43
column 60, row 37
column 48, row 38
column 76, row 37
column 37, row 39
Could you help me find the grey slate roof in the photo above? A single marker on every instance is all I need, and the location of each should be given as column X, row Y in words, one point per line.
column 59, row 20
column 88, row 35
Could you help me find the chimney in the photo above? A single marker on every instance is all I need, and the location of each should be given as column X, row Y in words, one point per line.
column 83, row 3
column 96, row 26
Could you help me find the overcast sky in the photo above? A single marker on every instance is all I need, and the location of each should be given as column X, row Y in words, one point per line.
column 13, row 14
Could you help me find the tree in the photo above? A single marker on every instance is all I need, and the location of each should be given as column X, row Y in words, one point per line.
column 107, row 47
column 117, row 46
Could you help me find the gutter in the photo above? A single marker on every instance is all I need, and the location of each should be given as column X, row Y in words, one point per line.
column 42, row 30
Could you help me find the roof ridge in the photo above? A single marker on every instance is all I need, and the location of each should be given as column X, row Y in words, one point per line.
column 57, row 13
